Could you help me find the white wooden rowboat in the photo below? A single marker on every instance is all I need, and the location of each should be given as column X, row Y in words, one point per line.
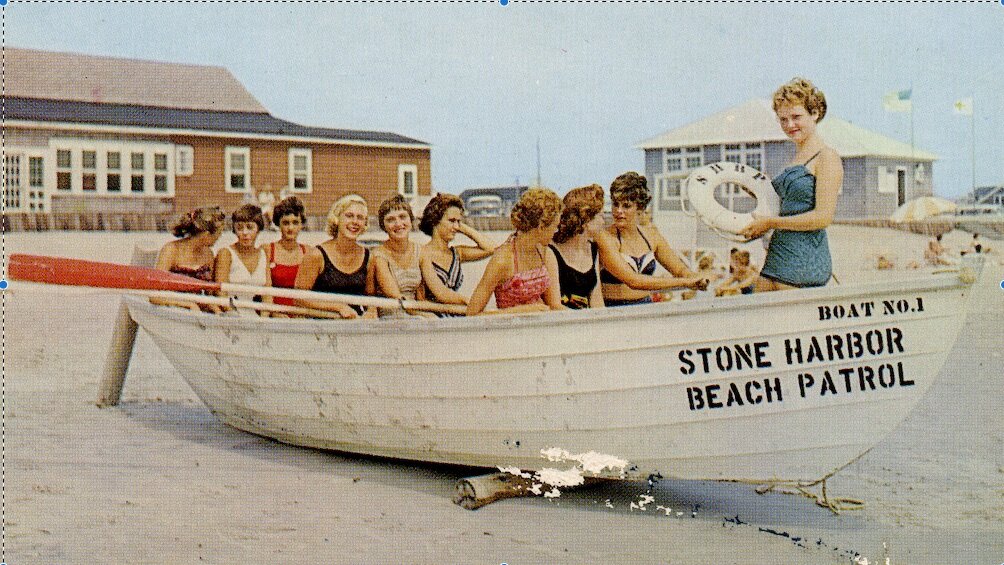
column 780, row 386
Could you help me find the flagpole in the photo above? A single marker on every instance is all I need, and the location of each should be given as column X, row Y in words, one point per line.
column 972, row 135
column 912, row 156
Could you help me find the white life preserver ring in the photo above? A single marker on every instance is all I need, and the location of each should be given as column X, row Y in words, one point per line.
column 700, row 191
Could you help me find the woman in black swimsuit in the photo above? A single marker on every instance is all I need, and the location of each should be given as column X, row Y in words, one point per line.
column 340, row 265
column 576, row 250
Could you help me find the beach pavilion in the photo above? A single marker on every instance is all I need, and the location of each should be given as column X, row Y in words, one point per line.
column 880, row 173
column 88, row 135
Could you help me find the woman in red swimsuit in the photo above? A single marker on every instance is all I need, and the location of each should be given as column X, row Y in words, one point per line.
column 285, row 255
column 192, row 254
column 523, row 272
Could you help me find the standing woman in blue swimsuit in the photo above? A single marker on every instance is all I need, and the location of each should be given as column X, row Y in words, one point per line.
column 799, row 254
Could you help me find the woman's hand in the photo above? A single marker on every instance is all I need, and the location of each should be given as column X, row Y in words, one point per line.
column 699, row 283
column 758, row 227
column 346, row 311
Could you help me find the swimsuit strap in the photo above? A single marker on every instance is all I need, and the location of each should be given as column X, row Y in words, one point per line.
column 271, row 252
column 620, row 244
column 642, row 234
column 326, row 259
column 813, row 157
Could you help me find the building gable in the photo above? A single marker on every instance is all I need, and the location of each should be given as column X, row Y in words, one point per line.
column 77, row 77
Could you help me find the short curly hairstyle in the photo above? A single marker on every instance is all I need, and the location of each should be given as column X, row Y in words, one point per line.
column 581, row 205
column 340, row 206
column 801, row 92
column 393, row 204
column 436, row 209
column 290, row 206
column 247, row 213
column 631, row 187
column 209, row 219
column 537, row 207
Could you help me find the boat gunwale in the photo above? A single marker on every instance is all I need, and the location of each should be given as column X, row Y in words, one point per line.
column 418, row 324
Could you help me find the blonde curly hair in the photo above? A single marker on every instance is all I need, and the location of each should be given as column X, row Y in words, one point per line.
column 340, row 206
column 537, row 207
column 801, row 92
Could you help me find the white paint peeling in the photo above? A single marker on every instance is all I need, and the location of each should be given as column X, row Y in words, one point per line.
column 558, row 478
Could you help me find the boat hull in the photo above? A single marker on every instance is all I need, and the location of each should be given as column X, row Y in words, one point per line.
column 786, row 386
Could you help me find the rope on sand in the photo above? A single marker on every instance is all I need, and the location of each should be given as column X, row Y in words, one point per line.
column 785, row 486
column 835, row 504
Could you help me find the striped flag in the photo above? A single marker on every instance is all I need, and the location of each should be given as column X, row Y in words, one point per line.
column 898, row 101
column 964, row 106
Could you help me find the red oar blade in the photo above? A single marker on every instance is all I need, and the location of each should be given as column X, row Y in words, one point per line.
column 77, row 272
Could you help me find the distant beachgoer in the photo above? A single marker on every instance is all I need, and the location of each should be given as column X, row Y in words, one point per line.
column 340, row 265
column 935, row 253
column 799, row 253
column 244, row 262
column 630, row 251
column 523, row 272
column 192, row 254
column 976, row 246
column 743, row 275
column 706, row 268
column 397, row 267
column 576, row 250
column 266, row 200
column 442, row 264
column 285, row 255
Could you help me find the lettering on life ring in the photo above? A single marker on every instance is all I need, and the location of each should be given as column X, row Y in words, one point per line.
column 701, row 185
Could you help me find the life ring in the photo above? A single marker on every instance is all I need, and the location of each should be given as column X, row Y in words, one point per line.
column 700, row 191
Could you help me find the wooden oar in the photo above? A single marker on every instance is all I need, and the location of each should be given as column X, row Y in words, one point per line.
column 78, row 272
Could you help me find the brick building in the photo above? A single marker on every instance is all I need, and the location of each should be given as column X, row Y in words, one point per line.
column 88, row 134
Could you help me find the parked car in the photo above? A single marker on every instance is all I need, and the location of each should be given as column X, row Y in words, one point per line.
column 487, row 206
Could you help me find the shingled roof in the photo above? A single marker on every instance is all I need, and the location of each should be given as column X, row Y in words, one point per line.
column 171, row 120
column 31, row 73
column 755, row 121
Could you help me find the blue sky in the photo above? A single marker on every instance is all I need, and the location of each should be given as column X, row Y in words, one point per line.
column 481, row 82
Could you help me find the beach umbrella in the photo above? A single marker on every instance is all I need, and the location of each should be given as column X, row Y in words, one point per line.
column 923, row 207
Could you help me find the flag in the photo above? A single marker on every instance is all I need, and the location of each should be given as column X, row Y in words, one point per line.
column 898, row 101
column 964, row 106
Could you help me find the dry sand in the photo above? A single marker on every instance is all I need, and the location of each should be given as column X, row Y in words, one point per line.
column 159, row 480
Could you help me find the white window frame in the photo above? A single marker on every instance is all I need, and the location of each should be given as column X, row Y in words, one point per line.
column 184, row 157
column 125, row 149
column 402, row 170
column 228, row 171
column 295, row 152
column 27, row 194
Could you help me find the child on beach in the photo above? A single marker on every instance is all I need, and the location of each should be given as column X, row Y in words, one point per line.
column 743, row 277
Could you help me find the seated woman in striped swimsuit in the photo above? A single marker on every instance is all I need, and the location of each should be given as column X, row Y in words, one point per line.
column 441, row 263
column 629, row 261
column 523, row 272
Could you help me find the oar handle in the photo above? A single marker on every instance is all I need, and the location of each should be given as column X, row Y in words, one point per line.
column 359, row 300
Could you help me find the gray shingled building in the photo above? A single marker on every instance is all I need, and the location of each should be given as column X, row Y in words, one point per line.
column 880, row 173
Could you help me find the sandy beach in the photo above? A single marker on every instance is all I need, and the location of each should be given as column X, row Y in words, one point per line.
column 159, row 480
